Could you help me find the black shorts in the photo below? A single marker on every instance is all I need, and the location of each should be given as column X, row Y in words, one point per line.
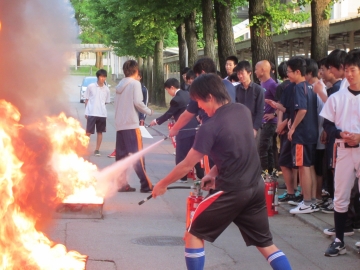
column 246, row 208
column 99, row 122
column 303, row 154
column 285, row 157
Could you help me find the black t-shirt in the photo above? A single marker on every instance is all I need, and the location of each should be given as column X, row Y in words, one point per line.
column 305, row 99
column 287, row 100
column 280, row 89
column 334, row 88
column 232, row 147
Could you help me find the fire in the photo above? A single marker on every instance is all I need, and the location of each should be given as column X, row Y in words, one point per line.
column 39, row 166
column 76, row 181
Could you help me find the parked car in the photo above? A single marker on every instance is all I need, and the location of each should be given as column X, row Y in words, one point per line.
column 85, row 83
column 83, row 86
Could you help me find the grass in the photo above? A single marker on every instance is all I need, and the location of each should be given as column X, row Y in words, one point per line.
column 86, row 70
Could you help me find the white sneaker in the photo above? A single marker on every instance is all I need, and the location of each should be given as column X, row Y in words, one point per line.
column 302, row 209
column 357, row 244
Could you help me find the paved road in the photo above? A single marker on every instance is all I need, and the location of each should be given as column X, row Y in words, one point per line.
column 130, row 236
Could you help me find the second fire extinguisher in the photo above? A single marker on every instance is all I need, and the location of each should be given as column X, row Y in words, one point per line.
column 271, row 196
column 193, row 201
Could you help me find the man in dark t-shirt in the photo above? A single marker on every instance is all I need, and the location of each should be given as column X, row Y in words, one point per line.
column 303, row 132
column 236, row 189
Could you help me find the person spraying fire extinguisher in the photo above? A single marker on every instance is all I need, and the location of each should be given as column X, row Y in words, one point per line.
column 236, row 189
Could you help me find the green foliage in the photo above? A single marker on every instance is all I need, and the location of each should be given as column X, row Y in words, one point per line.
column 132, row 27
column 327, row 11
column 275, row 17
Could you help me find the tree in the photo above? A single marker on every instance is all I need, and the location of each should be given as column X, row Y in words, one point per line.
column 225, row 34
column 208, row 22
column 267, row 17
column 262, row 46
column 180, row 30
column 191, row 39
column 320, row 15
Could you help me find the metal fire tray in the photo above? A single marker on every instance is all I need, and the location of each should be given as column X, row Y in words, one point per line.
column 78, row 211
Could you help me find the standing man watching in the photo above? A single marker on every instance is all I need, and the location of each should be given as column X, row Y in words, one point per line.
column 202, row 66
column 303, row 131
column 96, row 96
column 128, row 104
column 250, row 94
column 231, row 62
column 269, row 121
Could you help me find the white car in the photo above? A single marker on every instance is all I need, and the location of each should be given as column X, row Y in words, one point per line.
column 83, row 86
column 85, row 83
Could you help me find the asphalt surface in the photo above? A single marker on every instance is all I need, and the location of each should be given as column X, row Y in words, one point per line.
column 129, row 236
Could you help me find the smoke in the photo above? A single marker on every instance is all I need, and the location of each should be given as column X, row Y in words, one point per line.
column 36, row 40
column 114, row 176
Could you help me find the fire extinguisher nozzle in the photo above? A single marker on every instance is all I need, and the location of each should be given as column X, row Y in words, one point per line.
column 146, row 199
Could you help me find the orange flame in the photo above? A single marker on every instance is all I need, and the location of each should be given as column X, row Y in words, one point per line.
column 39, row 166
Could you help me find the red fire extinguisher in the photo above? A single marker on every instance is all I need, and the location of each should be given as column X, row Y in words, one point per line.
column 173, row 139
column 271, row 196
column 193, row 201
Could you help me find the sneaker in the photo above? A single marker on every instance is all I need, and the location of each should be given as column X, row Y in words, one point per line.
column 315, row 207
column 282, row 195
column 331, row 231
column 329, row 209
column 325, row 203
column 296, row 200
column 302, row 209
column 335, row 248
column 357, row 244
column 285, row 199
column 145, row 190
column 324, row 193
column 112, row 155
column 182, row 181
column 97, row 153
column 356, row 226
column 126, row 188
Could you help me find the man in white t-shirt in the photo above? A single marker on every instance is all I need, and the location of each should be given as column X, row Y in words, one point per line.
column 96, row 96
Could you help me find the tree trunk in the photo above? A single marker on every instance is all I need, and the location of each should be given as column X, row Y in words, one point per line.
column 262, row 46
column 144, row 72
column 149, row 77
column 140, row 63
column 319, row 29
column 158, row 90
column 208, row 21
column 225, row 35
column 180, row 30
column 78, row 59
column 99, row 60
column 191, row 39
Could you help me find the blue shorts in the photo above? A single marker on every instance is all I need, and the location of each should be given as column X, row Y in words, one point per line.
column 303, row 154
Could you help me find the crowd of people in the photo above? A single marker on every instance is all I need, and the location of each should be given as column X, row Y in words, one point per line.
column 312, row 112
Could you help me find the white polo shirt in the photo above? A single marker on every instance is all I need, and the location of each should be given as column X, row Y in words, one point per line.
column 343, row 109
column 97, row 97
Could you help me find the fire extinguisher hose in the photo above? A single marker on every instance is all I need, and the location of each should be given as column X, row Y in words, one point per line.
column 175, row 187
